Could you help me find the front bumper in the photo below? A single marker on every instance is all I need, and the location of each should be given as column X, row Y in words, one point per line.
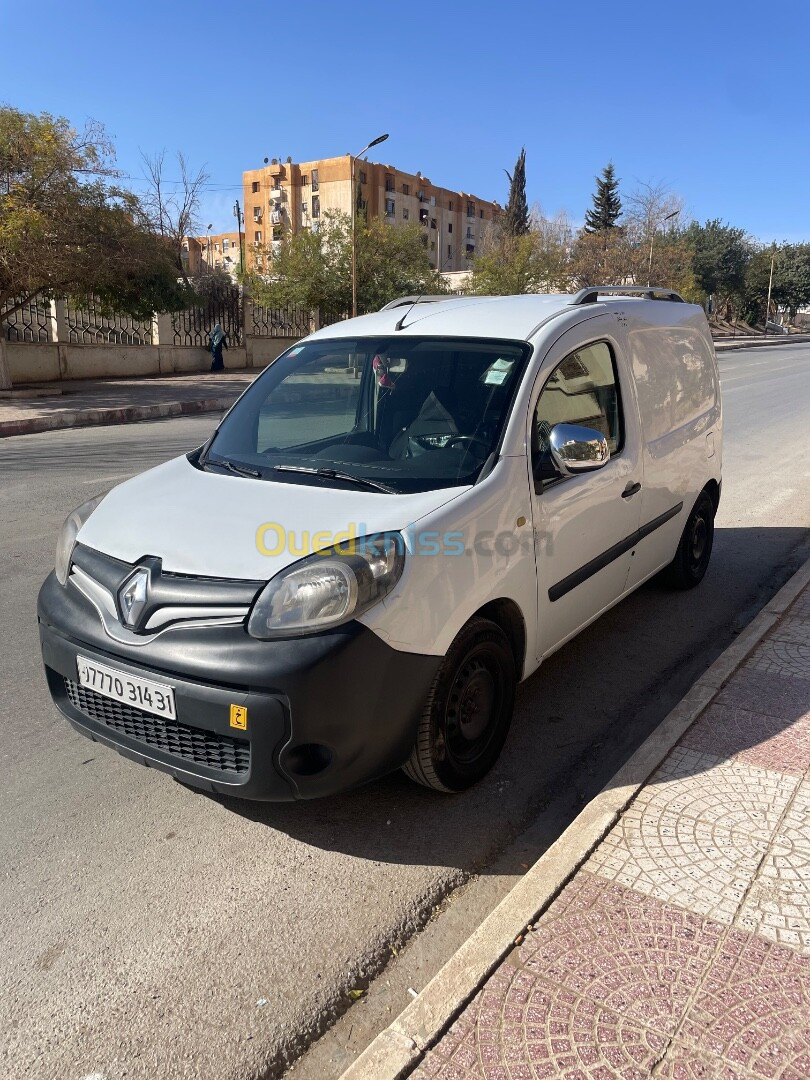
column 324, row 713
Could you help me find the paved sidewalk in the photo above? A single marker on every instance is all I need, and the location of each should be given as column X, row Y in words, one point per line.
column 84, row 402
column 681, row 949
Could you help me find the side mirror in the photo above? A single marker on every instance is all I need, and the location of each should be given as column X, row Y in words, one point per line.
column 578, row 449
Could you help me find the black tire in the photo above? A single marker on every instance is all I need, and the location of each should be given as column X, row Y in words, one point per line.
column 695, row 547
column 466, row 717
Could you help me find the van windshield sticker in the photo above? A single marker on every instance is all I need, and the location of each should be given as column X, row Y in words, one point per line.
column 497, row 373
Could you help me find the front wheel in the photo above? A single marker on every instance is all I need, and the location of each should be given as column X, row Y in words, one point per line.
column 466, row 717
column 695, row 548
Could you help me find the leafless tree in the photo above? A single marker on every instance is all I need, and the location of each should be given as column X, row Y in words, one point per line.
column 648, row 206
column 172, row 207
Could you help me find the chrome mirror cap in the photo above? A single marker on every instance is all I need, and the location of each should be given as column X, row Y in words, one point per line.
column 575, row 448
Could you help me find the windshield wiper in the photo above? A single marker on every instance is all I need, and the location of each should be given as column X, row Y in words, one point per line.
column 239, row 470
column 333, row 474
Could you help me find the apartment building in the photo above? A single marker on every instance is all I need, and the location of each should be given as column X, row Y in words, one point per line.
column 219, row 250
column 295, row 196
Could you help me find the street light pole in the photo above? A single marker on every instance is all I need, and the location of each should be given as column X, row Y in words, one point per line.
column 237, row 212
column 352, row 159
column 652, row 239
column 768, row 302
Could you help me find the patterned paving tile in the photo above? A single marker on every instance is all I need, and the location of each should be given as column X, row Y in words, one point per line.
column 765, row 741
column 626, row 952
column 775, row 656
column 689, row 1063
column 753, row 1009
column 801, row 606
column 522, row 1027
column 778, row 903
column 775, row 695
column 695, row 836
column 796, row 631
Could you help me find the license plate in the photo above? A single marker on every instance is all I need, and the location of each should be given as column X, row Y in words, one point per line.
column 155, row 698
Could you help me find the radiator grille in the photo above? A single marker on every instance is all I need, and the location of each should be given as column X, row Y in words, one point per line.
column 208, row 748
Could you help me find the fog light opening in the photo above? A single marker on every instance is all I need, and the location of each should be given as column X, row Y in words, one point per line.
column 308, row 759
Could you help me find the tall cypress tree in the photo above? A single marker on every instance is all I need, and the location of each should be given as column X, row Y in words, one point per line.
column 607, row 206
column 516, row 215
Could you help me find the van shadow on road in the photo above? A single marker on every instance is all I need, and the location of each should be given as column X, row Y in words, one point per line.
column 576, row 720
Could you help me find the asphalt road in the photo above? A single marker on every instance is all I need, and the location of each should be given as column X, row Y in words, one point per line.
column 142, row 923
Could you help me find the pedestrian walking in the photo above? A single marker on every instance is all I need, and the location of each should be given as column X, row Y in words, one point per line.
column 216, row 344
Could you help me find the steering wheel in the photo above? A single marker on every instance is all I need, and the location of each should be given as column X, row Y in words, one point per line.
column 468, row 440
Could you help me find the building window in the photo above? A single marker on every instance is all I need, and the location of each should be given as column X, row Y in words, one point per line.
column 315, row 184
column 449, row 251
column 481, row 214
column 277, row 234
column 257, row 213
column 470, row 209
column 433, row 223
column 450, row 205
column 389, row 182
column 423, row 217
column 305, row 207
column 470, row 232
column 304, row 179
column 255, row 186
column 226, row 244
column 362, row 177
column 450, row 227
column 390, row 208
column 470, row 249
column 432, row 200
column 405, row 213
column 316, row 200
column 406, row 189
column 257, row 236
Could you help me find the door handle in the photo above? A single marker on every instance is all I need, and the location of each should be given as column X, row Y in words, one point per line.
column 631, row 490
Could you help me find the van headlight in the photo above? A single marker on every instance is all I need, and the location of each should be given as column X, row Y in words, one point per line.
column 328, row 588
column 67, row 537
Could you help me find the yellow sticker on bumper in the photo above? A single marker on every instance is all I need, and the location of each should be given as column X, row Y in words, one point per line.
column 239, row 717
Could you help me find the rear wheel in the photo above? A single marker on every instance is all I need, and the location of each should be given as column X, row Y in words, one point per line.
column 466, row 717
column 695, row 548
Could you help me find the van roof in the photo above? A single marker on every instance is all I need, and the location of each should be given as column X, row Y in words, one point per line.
column 515, row 317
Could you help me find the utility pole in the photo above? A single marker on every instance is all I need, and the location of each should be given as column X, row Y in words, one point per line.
column 237, row 213
column 768, row 302
column 352, row 159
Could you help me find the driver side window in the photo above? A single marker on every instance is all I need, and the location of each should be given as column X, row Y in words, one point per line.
column 582, row 389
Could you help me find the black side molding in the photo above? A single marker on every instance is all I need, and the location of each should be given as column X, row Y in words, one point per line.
column 556, row 592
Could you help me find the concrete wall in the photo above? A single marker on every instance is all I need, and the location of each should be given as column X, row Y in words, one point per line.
column 38, row 363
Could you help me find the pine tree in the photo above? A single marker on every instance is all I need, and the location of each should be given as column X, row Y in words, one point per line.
column 607, row 206
column 516, row 215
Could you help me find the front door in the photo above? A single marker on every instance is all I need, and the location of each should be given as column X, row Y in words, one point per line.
column 585, row 524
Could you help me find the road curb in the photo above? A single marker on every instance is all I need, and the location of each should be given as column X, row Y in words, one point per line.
column 400, row 1047
column 730, row 344
column 127, row 415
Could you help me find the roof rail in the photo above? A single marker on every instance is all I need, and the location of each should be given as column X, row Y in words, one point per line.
column 403, row 301
column 591, row 294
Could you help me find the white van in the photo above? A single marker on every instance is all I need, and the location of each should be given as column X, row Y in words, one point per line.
column 396, row 522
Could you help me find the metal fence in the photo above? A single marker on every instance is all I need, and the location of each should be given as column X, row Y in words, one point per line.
column 89, row 324
column 32, row 322
column 294, row 320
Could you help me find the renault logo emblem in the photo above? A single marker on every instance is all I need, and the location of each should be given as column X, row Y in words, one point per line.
column 132, row 597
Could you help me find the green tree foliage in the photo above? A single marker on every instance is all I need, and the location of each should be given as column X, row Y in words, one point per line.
column 721, row 255
column 532, row 263
column 67, row 230
column 313, row 267
column 791, row 281
column 515, row 220
column 607, row 206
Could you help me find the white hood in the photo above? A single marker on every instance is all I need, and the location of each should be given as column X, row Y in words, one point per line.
column 207, row 523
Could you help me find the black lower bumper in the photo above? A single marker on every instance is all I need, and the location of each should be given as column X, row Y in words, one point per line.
column 324, row 713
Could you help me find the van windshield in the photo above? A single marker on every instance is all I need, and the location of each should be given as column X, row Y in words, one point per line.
column 398, row 413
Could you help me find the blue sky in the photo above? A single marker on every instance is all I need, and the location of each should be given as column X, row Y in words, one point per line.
column 709, row 98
